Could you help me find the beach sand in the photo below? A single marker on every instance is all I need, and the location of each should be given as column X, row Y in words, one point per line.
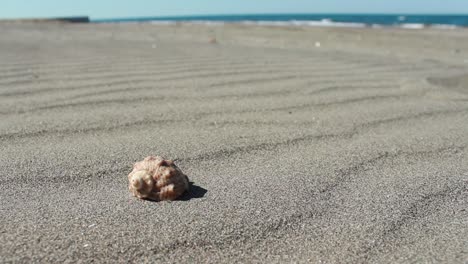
column 309, row 145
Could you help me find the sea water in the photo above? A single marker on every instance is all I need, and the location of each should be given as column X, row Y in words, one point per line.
column 350, row 20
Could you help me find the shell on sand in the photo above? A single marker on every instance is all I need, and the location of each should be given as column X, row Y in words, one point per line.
column 157, row 179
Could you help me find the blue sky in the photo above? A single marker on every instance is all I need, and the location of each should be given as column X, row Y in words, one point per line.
column 133, row 8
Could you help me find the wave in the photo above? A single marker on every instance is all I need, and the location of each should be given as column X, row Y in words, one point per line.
column 311, row 23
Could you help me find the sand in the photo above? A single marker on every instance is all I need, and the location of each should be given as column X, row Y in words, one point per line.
column 353, row 150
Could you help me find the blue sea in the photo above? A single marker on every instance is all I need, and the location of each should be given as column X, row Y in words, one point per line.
column 350, row 20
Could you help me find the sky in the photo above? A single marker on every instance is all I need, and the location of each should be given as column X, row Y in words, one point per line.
column 138, row 8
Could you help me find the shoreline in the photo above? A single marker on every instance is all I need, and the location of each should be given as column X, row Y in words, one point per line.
column 71, row 19
column 342, row 20
column 312, row 23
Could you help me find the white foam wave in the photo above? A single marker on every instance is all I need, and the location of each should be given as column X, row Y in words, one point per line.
column 312, row 23
column 412, row 26
column 162, row 22
column 322, row 23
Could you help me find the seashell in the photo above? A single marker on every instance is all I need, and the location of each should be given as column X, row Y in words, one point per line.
column 157, row 179
column 213, row 41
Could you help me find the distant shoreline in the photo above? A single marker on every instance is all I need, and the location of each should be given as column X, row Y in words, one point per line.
column 411, row 21
column 77, row 19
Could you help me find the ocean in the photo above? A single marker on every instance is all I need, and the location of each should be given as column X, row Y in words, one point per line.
column 345, row 20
